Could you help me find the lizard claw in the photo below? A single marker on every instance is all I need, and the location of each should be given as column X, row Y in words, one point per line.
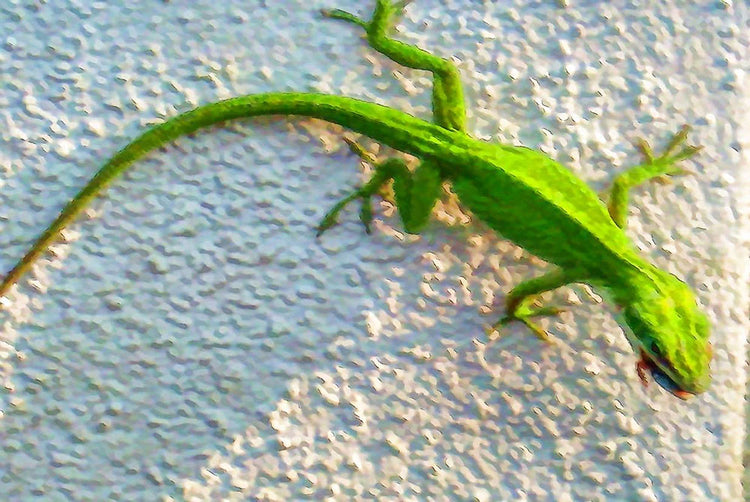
column 677, row 139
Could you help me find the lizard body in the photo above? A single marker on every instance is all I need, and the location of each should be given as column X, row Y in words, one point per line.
column 522, row 194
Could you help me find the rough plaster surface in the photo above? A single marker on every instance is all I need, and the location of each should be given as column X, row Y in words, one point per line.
column 193, row 340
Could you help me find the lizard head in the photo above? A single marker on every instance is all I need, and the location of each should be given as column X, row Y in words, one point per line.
column 671, row 333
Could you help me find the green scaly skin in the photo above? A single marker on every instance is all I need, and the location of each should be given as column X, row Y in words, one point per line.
column 522, row 194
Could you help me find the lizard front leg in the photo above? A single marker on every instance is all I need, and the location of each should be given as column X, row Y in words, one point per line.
column 654, row 167
column 447, row 93
column 519, row 301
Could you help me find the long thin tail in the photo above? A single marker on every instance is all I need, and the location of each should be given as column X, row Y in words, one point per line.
column 392, row 127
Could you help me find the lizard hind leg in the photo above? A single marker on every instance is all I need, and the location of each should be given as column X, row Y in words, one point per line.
column 448, row 106
column 415, row 192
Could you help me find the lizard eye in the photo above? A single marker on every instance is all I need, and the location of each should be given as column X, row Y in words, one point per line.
column 658, row 355
column 655, row 350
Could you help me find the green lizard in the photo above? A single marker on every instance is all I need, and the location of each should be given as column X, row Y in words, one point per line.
column 520, row 193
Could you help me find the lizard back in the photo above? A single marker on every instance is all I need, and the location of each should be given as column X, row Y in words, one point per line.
column 543, row 207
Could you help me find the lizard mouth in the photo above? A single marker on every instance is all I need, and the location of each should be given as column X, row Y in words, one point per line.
column 659, row 376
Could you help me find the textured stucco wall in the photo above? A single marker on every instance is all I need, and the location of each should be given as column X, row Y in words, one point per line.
column 194, row 340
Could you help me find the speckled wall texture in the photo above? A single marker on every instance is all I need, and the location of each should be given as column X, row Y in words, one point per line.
column 191, row 339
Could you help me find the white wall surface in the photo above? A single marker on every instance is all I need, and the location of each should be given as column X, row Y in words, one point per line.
column 193, row 340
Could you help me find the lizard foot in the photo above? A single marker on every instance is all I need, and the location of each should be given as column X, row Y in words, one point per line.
column 664, row 164
column 385, row 8
column 524, row 315
column 365, row 213
column 344, row 16
column 363, row 193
